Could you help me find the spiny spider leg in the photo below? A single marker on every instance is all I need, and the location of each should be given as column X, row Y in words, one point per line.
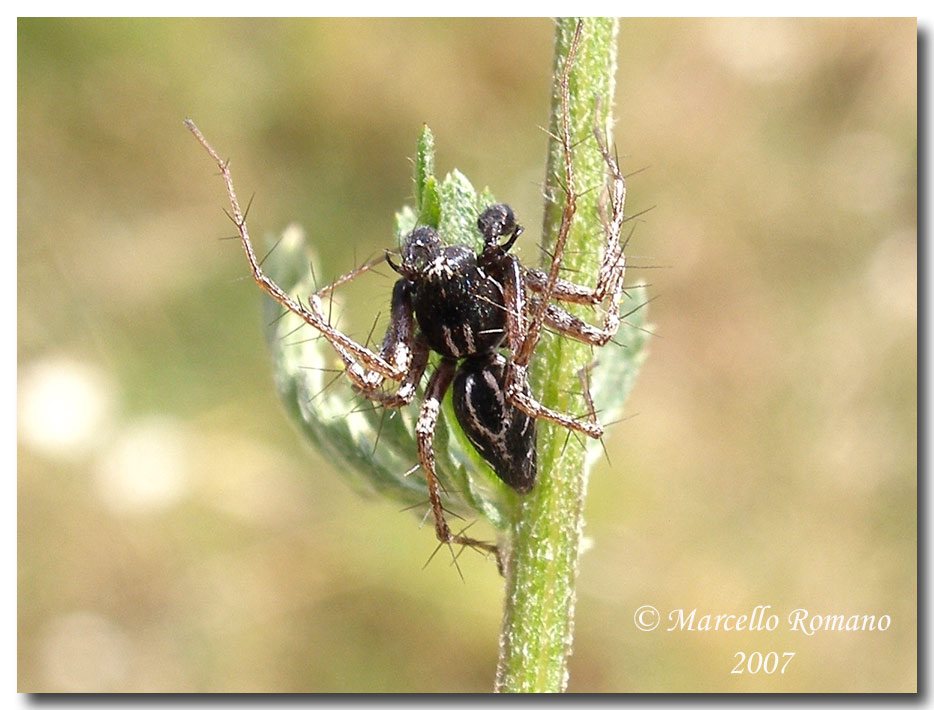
column 516, row 377
column 568, row 324
column 438, row 385
column 610, row 277
column 521, row 339
column 517, row 389
column 366, row 369
column 407, row 389
column 350, row 276
column 613, row 267
column 401, row 345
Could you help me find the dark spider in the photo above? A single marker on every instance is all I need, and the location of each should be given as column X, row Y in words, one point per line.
column 467, row 307
column 458, row 299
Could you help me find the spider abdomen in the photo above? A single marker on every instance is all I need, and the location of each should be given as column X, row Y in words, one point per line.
column 503, row 434
column 459, row 306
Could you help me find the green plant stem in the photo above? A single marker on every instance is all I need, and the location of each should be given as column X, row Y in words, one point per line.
column 541, row 570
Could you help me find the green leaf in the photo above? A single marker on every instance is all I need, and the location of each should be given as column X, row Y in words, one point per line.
column 424, row 167
column 459, row 211
column 427, row 197
column 430, row 212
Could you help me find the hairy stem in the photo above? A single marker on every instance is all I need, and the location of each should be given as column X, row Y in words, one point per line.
column 541, row 571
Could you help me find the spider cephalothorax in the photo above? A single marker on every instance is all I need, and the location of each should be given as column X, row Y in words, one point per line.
column 458, row 299
column 483, row 313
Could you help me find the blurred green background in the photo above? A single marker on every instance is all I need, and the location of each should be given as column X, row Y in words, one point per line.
column 176, row 535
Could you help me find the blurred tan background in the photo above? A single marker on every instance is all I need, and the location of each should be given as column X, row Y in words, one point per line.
column 176, row 535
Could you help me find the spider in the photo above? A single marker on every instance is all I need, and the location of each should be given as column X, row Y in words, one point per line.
column 468, row 307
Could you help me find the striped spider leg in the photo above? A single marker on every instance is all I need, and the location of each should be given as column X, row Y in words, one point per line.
column 366, row 369
column 609, row 287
